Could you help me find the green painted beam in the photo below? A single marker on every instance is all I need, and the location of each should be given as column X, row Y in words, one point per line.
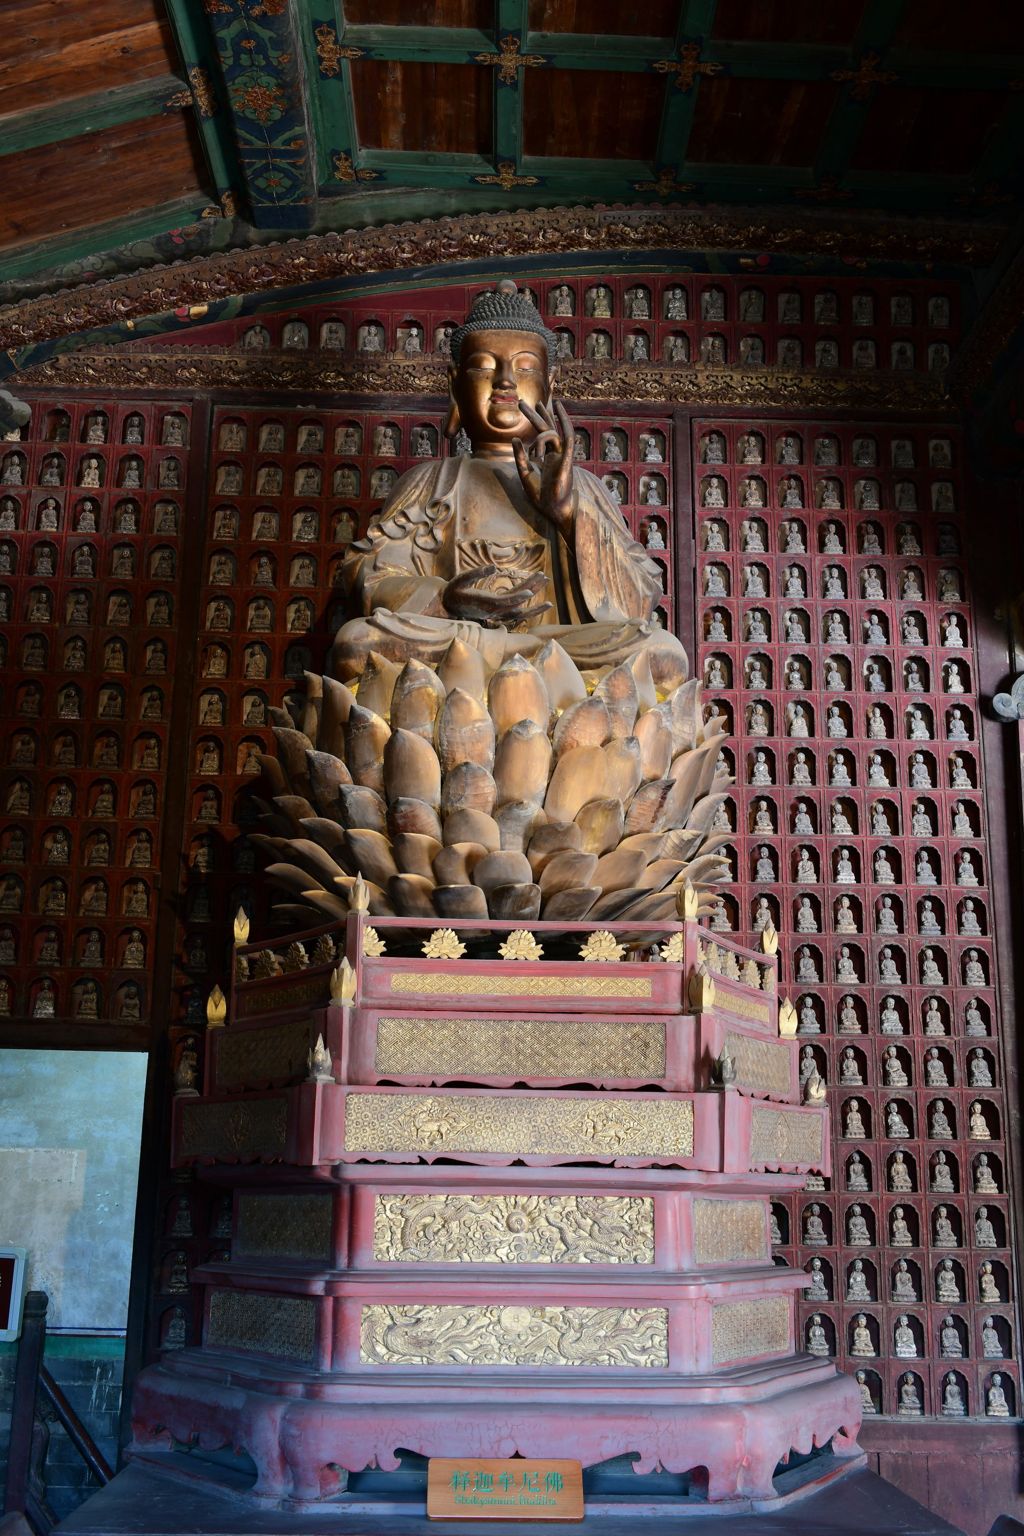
column 147, row 225
column 696, row 20
column 846, row 122
column 196, row 52
column 511, row 18
column 451, row 44
column 89, row 114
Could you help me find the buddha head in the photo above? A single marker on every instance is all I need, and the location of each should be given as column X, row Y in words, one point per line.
column 501, row 355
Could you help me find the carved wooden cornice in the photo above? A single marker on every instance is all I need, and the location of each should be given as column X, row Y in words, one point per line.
column 312, row 373
column 523, row 233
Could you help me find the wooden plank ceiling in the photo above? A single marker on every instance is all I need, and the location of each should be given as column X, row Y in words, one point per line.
column 123, row 119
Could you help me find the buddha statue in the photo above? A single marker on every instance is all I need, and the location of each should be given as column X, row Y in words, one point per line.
column 513, row 545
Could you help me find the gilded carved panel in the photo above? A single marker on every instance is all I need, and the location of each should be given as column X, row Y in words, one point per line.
column 763, row 1066
column 292, row 1226
column 284, row 1326
column 255, row 1128
column 262, row 1055
column 729, row 1231
column 597, row 1048
column 529, row 984
column 741, row 1329
column 779, row 1137
column 515, row 1335
column 537, row 1125
column 513, row 1229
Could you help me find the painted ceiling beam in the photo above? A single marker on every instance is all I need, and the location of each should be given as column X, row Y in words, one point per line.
column 199, row 62
column 90, row 114
column 512, row 17
column 682, row 85
column 260, row 48
column 864, row 73
column 152, row 227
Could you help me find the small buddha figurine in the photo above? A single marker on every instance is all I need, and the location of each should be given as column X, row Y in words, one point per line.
column 988, row 1284
column 857, row 1231
column 900, row 1181
column 900, row 1232
column 942, row 1175
column 853, row 1126
column 984, row 1232
column 814, row 1227
column 850, row 1075
column 817, row 1340
column 984, row 1182
column 978, row 1126
column 896, row 1128
column 996, row 1406
column 946, row 1287
column 903, row 1337
column 939, row 1125
column 817, row 1290
column 952, row 1398
column 991, row 1347
column 945, row 1234
column 867, row 1402
column 910, row 1401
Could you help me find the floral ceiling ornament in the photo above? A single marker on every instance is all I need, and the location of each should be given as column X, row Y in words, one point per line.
column 330, row 52
column 520, row 945
column 346, row 170
column 509, row 61
column 666, row 184
column 687, row 68
column 865, row 77
column 507, row 178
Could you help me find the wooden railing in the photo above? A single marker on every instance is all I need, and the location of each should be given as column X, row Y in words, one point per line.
column 34, row 1387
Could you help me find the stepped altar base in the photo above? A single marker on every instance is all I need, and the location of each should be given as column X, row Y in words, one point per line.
column 487, row 1206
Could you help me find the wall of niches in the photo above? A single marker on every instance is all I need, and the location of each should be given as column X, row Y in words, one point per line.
column 844, row 325
column 837, row 636
column 90, row 517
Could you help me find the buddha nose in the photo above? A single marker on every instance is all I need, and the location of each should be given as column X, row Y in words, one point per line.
column 505, row 376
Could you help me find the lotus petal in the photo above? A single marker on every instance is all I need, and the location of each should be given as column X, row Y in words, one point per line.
column 411, row 815
column 334, row 712
column 295, row 807
column 327, row 833
column 655, row 738
column 640, row 666
column 685, row 716
column 567, row 871
column 327, row 776
column 273, row 773
column 366, row 736
column 613, row 903
column 468, row 826
column 517, row 693
column 292, row 747
column 327, row 903
column 570, row 906
column 417, row 697
column 619, row 869
column 586, row 724
column 518, row 903
column 619, row 691
column 411, row 769
column 362, row 807
column 454, row 865
column 377, row 683
column 517, row 821
column 579, row 776
column 505, row 867
column 310, row 722
column 411, row 895
column 371, row 853
column 560, row 675
column 622, row 769
column 601, row 824
column 460, row 901
column 414, row 854
column 522, row 763
column 468, row 786
column 465, row 732
column 646, row 810
column 553, row 837
column 463, row 667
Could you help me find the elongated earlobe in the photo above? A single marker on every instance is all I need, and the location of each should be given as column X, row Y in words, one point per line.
column 453, row 423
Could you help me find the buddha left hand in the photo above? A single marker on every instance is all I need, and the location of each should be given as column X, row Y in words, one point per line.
column 546, row 470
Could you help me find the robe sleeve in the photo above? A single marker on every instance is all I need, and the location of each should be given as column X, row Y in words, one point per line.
column 399, row 564
column 617, row 578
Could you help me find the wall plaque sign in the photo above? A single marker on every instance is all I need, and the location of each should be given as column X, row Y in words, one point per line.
column 466, row 1489
column 12, row 1292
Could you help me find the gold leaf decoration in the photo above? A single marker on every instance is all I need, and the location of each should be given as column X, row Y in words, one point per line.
column 520, row 945
column 673, row 948
column 602, row 946
column 769, row 940
column 787, row 1020
column 343, row 983
column 216, row 1008
column 242, row 926
column 373, row 944
column 444, row 944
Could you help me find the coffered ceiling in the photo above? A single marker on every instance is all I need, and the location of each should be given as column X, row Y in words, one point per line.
column 128, row 124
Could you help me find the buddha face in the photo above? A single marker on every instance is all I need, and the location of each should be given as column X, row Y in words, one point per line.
column 497, row 370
